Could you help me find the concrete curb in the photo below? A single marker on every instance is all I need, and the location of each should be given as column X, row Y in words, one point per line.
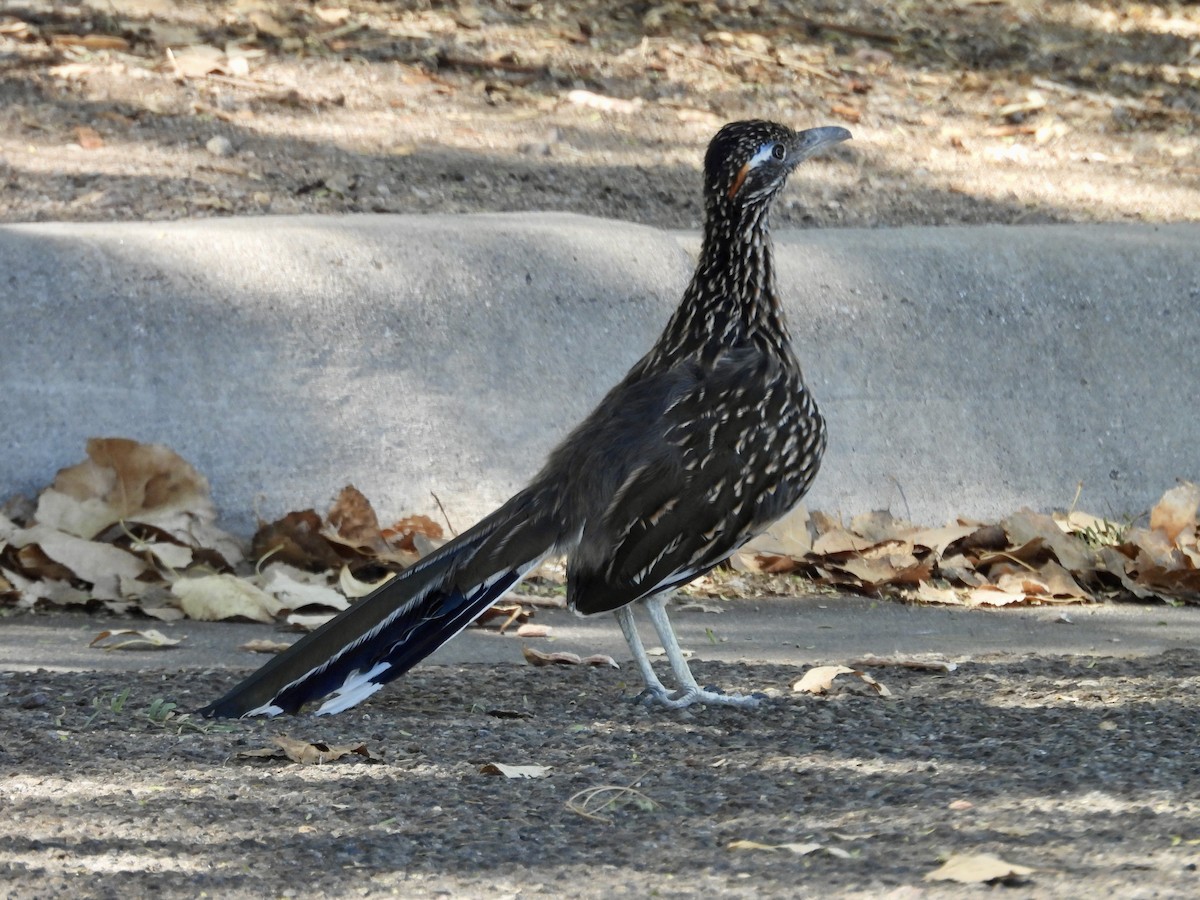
column 964, row 371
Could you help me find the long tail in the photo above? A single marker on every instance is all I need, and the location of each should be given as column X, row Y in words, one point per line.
column 389, row 631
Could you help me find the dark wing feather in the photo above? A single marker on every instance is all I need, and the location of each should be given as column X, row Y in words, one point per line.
column 705, row 487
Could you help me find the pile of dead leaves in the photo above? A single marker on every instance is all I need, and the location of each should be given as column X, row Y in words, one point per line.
column 132, row 528
column 1027, row 557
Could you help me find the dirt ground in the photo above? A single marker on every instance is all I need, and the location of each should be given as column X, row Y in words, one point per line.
column 1081, row 768
column 963, row 111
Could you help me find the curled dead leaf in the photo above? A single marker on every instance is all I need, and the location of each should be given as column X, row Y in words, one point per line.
column 83, row 559
column 352, row 521
column 537, row 658
column 148, row 639
column 1176, row 512
column 308, row 622
column 123, row 480
column 977, row 868
column 354, row 588
column 211, row 598
column 296, row 589
column 819, row 680
column 261, row 645
column 296, row 539
column 403, row 534
column 799, row 849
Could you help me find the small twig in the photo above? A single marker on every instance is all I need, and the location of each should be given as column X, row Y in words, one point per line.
column 1078, row 491
column 617, row 792
column 438, row 501
column 900, row 488
column 516, row 614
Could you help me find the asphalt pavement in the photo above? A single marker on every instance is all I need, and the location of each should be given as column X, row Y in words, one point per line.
column 804, row 631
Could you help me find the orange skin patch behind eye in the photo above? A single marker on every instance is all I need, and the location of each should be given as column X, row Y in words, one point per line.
column 737, row 182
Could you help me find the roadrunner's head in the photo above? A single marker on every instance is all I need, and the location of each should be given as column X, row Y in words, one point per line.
column 748, row 162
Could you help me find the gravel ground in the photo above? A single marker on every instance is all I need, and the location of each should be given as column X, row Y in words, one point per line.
column 1081, row 768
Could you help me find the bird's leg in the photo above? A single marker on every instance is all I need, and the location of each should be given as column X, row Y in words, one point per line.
column 654, row 688
column 691, row 692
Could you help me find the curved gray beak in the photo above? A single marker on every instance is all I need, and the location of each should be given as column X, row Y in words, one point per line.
column 815, row 139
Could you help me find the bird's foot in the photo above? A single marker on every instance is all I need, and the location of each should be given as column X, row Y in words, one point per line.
column 709, row 696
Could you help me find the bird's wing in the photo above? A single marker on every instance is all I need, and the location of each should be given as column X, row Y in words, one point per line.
column 702, row 486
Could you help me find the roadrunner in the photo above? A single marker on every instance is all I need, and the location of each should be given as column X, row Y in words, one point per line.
column 708, row 439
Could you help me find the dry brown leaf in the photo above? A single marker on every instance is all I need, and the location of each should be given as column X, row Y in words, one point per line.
column 838, row 540
column 1116, row 563
column 332, row 15
column 147, row 639
column 172, row 556
column 960, row 570
column 354, row 587
column 510, row 613
column 1151, row 548
column 196, row 61
column 308, row 622
column 926, row 592
column 353, row 521
column 819, row 680
column 537, row 658
column 790, row 537
column 88, row 138
column 86, row 560
column 976, row 868
column 1176, row 512
column 894, row 569
column 261, row 645
column 124, row 481
column 59, row 593
column 604, row 104
column 1174, row 584
column 533, row 631
column 993, row 596
column 294, row 590
column 880, row 525
column 600, row 659
column 296, row 539
column 798, row 849
column 310, row 754
column 1049, row 582
column 402, row 534
column 509, row 771
column 211, row 598
column 762, row 563
column 90, row 41
column 937, row 540
column 562, row 658
column 1026, row 526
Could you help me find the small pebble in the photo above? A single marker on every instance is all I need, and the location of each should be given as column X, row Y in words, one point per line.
column 219, row 146
column 34, row 701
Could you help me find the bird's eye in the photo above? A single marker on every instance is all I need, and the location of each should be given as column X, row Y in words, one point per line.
column 779, row 151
